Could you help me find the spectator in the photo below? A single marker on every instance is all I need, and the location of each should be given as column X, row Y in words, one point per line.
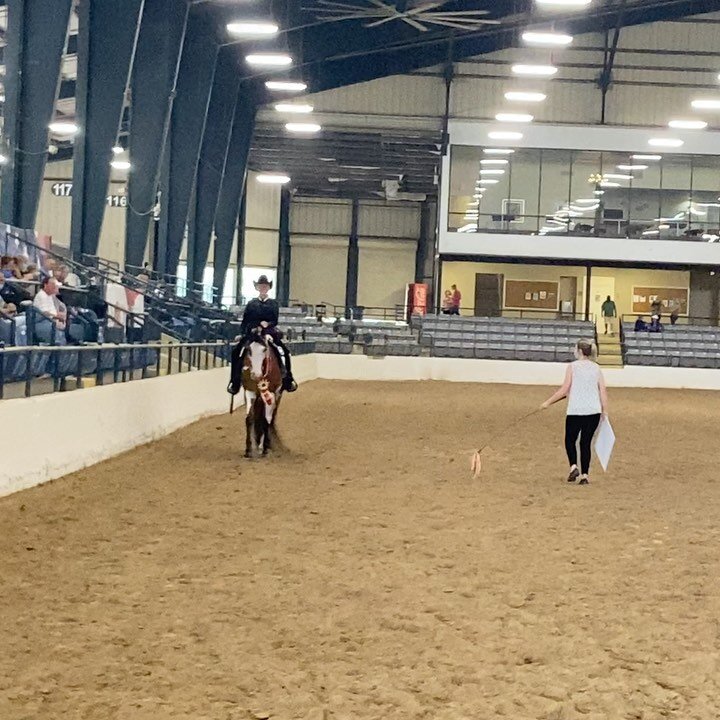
column 7, row 310
column 655, row 316
column 641, row 325
column 46, row 302
column 447, row 302
column 674, row 315
column 609, row 313
column 66, row 277
column 456, row 300
column 8, row 267
column 31, row 273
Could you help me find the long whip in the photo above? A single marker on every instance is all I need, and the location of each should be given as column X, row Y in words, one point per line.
column 476, row 460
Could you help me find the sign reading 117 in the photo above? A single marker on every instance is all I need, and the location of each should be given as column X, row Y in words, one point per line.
column 64, row 189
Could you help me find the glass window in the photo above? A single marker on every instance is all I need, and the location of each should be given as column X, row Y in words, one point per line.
column 464, row 166
column 585, row 208
column 705, row 205
column 674, row 197
column 646, row 197
column 228, row 294
column 520, row 207
column 181, row 280
column 555, row 191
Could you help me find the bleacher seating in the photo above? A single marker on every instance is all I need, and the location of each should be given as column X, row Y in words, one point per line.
column 503, row 338
column 676, row 346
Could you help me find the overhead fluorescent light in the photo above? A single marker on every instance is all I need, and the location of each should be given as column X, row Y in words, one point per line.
column 118, row 150
column 514, row 117
column 592, row 201
column 647, row 157
column 265, row 29
column 598, row 192
column 269, row 60
column 273, row 179
column 617, row 176
column 546, row 38
column 478, row 196
column 664, row 226
column 505, row 135
column 525, row 96
column 688, row 124
column 498, row 151
column 487, row 181
column 120, row 164
column 633, row 167
column 302, row 127
column 717, row 205
column 666, row 142
column 563, row 3
column 300, row 109
column 63, row 127
column 608, row 184
column 706, row 104
column 535, row 70
column 3, row 159
column 498, row 161
column 651, row 232
column 492, row 171
column 285, row 85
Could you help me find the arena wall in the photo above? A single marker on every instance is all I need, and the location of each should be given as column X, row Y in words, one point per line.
column 48, row 436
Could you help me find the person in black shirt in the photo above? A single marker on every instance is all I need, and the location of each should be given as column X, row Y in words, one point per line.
column 261, row 315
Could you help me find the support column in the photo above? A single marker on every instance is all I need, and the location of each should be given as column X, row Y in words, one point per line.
column 195, row 79
column 229, row 213
column 154, row 76
column 211, row 167
column 588, row 280
column 35, row 38
column 240, row 249
column 107, row 35
column 283, row 272
column 353, row 261
column 425, row 254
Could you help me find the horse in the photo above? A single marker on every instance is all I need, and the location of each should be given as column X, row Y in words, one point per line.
column 262, row 383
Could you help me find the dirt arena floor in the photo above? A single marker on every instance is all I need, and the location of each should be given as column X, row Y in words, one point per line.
column 365, row 575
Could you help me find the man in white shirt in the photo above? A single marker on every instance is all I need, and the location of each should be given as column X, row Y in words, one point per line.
column 47, row 303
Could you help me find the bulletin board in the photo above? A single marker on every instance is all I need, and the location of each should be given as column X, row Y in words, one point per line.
column 531, row 295
column 669, row 297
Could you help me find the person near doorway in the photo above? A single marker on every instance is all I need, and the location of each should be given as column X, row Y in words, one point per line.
column 447, row 302
column 585, row 389
column 609, row 313
column 456, row 300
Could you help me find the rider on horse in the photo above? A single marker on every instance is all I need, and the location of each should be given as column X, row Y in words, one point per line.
column 261, row 318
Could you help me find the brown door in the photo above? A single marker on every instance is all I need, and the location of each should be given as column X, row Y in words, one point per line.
column 568, row 295
column 488, row 294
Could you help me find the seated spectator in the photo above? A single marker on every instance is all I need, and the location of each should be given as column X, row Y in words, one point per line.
column 674, row 315
column 31, row 273
column 641, row 325
column 46, row 302
column 66, row 277
column 7, row 310
column 8, row 267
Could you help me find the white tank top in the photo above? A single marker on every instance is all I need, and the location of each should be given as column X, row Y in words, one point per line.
column 584, row 396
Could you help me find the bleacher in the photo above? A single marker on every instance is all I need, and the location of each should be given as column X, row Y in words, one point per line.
column 676, row 346
column 503, row 338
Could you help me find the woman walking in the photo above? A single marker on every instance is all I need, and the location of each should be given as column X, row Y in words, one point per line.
column 585, row 389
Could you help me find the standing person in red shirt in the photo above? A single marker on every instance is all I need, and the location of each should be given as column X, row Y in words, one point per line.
column 456, row 299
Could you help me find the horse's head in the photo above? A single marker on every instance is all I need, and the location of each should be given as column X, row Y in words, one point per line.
column 257, row 352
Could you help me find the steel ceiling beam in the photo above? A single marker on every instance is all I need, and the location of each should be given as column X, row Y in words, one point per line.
column 35, row 40
column 195, row 79
column 108, row 31
column 211, row 167
column 154, row 76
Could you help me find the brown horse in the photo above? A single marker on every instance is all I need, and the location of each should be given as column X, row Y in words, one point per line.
column 262, row 382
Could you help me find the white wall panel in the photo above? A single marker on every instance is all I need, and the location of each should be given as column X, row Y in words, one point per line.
column 320, row 216
column 382, row 220
column 318, row 269
column 385, row 270
column 261, row 247
column 263, row 204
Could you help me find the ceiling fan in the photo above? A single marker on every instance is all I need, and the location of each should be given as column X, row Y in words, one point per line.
column 418, row 14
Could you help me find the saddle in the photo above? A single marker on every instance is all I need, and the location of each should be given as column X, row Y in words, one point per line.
column 237, row 359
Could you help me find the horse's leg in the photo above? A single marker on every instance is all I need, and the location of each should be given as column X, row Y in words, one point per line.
column 259, row 422
column 268, row 425
column 249, row 422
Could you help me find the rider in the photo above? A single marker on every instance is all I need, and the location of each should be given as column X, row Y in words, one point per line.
column 262, row 314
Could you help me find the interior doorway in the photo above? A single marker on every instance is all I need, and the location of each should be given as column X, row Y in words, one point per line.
column 488, row 294
column 568, row 295
column 600, row 287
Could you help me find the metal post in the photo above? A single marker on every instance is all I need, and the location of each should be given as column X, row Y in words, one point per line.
column 353, row 261
column 284, row 250
column 588, row 280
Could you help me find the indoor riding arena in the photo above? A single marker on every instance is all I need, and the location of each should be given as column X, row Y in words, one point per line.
column 359, row 360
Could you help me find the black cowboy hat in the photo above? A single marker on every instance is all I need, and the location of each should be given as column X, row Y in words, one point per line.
column 263, row 280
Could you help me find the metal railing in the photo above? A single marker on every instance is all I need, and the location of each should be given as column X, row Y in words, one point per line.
column 64, row 367
column 666, row 319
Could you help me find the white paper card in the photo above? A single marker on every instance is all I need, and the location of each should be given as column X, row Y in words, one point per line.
column 604, row 443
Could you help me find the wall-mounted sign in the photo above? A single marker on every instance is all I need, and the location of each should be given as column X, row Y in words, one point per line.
column 64, row 189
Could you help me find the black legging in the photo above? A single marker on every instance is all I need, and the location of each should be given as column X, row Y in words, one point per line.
column 584, row 426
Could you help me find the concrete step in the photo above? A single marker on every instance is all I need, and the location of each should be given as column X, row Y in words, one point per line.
column 610, row 360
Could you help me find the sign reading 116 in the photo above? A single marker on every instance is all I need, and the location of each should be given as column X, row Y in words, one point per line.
column 64, row 189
